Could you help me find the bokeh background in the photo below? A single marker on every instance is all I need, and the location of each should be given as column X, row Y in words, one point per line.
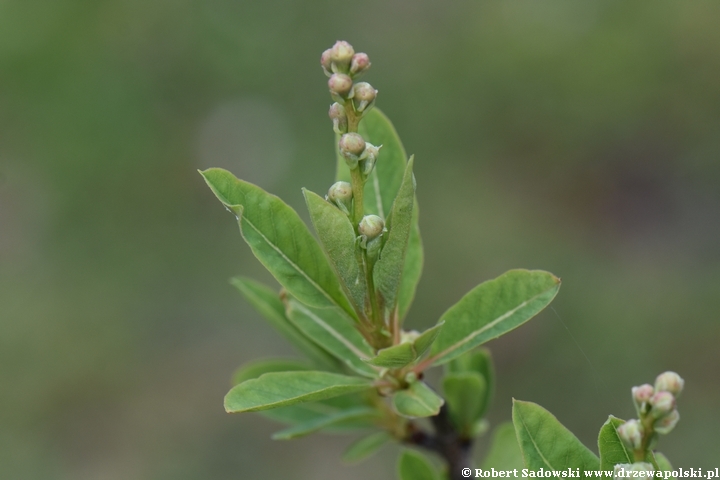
column 578, row 137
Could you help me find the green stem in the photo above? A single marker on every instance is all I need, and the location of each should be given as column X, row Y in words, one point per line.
column 358, row 186
column 647, row 423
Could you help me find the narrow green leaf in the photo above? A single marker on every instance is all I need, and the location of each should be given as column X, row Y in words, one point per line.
column 273, row 390
column 316, row 424
column 389, row 268
column 546, row 443
column 493, row 308
column 337, row 236
column 412, row 270
column 464, row 393
column 418, row 400
column 478, row 361
column 267, row 302
column 280, row 240
column 414, row 466
column 256, row 368
column 504, row 451
column 333, row 332
column 406, row 353
column 663, row 464
column 365, row 447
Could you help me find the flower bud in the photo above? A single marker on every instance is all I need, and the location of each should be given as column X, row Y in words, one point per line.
column 341, row 195
column 669, row 382
column 326, row 62
column 665, row 425
column 371, row 226
column 369, row 157
column 662, row 404
column 351, row 147
column 339, row 117
column 642, row 393
column 631, row 433
column 363, row 96
column 341, row 85
column 341, row 55
column 359, row 64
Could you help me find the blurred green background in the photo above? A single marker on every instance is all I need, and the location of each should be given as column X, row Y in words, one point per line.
column 577, row 137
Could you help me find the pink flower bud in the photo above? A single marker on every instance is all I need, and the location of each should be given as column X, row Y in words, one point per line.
column 340, row 84
column 326, row 62
column 363, row 95
column 662, row 404
column 339, row 117
column 664, row 425
column 359, row 64
column 351, row 146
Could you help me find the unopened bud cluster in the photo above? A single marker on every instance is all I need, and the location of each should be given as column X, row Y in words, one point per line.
column 657, row 408
column 344, row 66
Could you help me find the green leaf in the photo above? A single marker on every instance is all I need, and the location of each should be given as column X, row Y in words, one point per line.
column 337, row 236
column 663, row 464
column 273, row 390
column 612, row 449
column 280, row 240
column 256, row 368
column 418, row 400
column 464, row 393
column 504, row 451
column 414, row 466
column 478, row 361
column 493, row 308
column 303, row 412
column 333, row 332
column 389, row 268
column 365, row 447
column 316, row 424
column 412, row 270
column 546, row 443
column 267, row 302
column 406, row 353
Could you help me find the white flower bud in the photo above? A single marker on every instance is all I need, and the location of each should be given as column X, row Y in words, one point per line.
column 340, row 85
column 363, row 96
column 631, row 433
column 665, row 424
column 625, row 470
column 662, row 404
column 369, row 157
column 341, row 195
column 359, row 64
column 371, row 226
column 339, row 117
column 341, row 55
column 669, row 382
